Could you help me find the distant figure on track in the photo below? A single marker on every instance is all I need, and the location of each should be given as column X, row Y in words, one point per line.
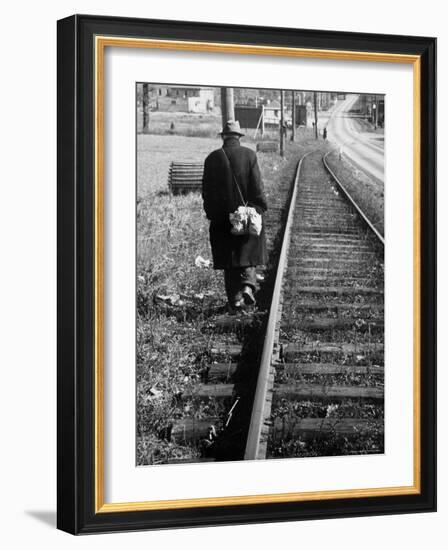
column 237, row 255
column 325, row 133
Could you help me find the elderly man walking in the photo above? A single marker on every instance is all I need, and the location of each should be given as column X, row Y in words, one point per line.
column 231, row 177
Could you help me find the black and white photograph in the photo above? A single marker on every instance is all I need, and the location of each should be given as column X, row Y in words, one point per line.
column 219, row 292
column 259, row 274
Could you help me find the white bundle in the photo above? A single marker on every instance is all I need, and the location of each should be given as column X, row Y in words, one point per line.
column 245, row 220
column 239, row 220
column 255, row 222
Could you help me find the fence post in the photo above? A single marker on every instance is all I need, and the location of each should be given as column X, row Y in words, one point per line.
column 293, row 118
column 282, row 123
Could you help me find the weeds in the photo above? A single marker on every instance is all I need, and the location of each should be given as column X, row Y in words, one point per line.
column 369, row 194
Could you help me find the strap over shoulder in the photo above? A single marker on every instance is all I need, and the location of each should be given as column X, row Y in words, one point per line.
column 234, row 177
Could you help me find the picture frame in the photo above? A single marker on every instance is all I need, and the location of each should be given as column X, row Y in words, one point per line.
column 82, row 41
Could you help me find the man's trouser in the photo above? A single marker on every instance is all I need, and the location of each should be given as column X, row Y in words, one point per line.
column 236, row 278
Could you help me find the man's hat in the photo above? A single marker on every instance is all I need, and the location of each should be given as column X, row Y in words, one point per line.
column 232, row 127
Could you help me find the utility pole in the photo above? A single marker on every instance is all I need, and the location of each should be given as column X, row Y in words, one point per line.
column 282, row 123
column 145, row 108
column 315, row 115
column 262, row 120
column 293, row 116
column 375, row 112
column 227, row 105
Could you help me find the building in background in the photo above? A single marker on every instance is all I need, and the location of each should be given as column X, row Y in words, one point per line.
column 185, row 99
column 272, row 113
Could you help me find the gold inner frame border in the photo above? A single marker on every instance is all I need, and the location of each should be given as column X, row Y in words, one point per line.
column 101, row 42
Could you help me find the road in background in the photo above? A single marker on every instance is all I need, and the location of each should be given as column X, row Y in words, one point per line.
column 356, row 138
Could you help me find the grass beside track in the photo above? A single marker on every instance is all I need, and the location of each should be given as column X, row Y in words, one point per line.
column 366, row 191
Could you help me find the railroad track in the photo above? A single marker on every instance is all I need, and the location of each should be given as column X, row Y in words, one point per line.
column 320, row 386
column 317, row 382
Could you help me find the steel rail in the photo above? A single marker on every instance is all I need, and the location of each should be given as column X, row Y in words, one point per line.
column 258, row 410
column 352, row 200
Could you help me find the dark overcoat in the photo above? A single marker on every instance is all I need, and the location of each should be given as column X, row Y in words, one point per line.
column 221, row 197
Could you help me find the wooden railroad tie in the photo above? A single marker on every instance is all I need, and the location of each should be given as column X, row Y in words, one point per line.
column 206, row 391
column 307, row 428
column 328, row 323
column 267, row 147
column 320, row 369
column 291, row 352
column 193, row 429
column 301, row 391
column 185, row 177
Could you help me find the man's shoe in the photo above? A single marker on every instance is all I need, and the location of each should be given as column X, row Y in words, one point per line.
column 248, row 295
column 236, row 306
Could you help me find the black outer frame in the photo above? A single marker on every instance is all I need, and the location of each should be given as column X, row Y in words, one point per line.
column 75, row 403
